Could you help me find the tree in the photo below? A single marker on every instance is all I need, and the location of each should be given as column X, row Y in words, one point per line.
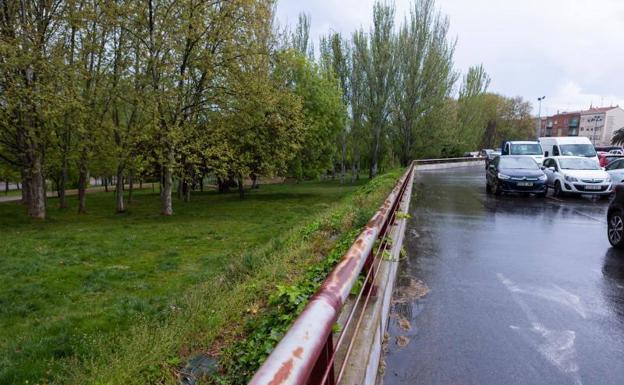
column 618, row 137
column 424, row 68
column 377, row 63
column 30, row 35
column 335, row 60
column 472, row 108
column 323, row 115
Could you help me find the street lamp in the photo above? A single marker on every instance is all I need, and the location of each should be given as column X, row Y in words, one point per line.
column 595, row 119
column 539, row 115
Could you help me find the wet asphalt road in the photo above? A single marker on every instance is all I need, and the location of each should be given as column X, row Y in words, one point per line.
column 522, row 290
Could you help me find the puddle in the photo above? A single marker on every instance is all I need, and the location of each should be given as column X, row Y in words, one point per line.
column 197, row 367
column 402, row 341
column 414, row 289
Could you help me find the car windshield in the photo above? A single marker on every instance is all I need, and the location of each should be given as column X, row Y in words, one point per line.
column 517, row 163
column 526, row 149
column 578, row 150
column 578, row 164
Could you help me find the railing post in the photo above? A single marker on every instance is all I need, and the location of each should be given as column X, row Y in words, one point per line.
column 316, row 377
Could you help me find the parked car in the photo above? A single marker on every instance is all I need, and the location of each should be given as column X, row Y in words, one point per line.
column 616, row 170
column 609, row 148
column 615, row 219
column 576, row 175
column 604, row 158
column 515, row 174
column 529, row 148
column 489, row 154
column 568, row 146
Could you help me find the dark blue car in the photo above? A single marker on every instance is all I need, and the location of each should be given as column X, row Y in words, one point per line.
column 515, row 174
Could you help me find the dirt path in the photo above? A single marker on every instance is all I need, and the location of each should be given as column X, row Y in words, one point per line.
column 54, row 194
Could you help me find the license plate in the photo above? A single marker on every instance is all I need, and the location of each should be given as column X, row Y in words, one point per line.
column 525, row 184
column 591, row 187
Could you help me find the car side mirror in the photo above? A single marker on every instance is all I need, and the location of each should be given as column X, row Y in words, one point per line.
column 546, row 154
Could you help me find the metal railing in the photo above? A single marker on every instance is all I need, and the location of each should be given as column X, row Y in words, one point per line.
column 307, row 353
column 449, row 160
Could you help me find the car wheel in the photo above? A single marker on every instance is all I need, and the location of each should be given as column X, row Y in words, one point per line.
column 615, row 229
column 558, row 192
column 488, row 188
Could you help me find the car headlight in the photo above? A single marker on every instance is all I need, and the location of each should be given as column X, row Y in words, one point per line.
column 542, row 177
column 503, row 176
column 571, row 178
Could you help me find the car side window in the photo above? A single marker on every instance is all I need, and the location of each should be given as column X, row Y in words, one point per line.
column 618, row 164
column 548, row 163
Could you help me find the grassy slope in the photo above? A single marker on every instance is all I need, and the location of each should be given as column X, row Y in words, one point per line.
column 107, row 298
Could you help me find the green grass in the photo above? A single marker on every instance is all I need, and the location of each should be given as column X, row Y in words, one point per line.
column 109, row 298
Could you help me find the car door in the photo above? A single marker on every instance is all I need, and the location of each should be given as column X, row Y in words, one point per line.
column 616, row 170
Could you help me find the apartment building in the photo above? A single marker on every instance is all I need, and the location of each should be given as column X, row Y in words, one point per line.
column 596, row 123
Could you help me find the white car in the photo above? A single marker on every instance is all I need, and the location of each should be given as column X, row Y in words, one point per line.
column 576, row 175
column 616, row 170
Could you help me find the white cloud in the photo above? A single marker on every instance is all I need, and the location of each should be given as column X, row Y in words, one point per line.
column 567, row 50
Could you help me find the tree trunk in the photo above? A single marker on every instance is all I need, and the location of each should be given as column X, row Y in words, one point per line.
column 83, row 180
column 130, row 187
column 36, row 188
column 241, row 188
column 201, row 184
column 119, row 190
column 25, row 189
column 254, row 181
column 63, row 183
column 6, row 188
column 105, row 181
column 343, row 159
column 179, row 189
column 165, row 194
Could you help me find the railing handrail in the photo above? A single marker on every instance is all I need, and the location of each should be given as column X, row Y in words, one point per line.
column 295, row 356
column 449, row 160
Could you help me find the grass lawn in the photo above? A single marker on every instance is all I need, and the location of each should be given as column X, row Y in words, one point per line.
column 107, row 298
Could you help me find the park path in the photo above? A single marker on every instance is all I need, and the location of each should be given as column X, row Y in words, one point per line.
column 53, row 194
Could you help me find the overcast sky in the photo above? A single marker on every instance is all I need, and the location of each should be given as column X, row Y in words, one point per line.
column 571, row 51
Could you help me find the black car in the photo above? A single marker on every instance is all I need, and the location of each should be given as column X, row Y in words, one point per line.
column 489, row 154
column 515, row 174
column 615, row 218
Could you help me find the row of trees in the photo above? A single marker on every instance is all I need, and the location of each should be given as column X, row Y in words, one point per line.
column 156, row 88
column 173, row 90
column 398, row 85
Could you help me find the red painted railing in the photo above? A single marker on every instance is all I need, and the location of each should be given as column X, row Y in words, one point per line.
column 307, row 353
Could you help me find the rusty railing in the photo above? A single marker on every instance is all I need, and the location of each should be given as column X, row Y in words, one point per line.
column 307, row 353
column 449, row 160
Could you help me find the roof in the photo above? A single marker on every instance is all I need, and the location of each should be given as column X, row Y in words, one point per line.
column 596, row 110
